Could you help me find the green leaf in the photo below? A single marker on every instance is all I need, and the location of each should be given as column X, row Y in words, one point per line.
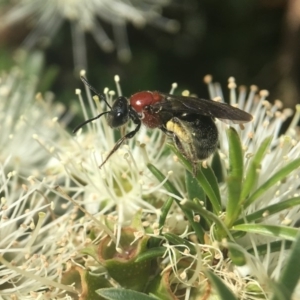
column 188, row 213
column 236, row 254
column 209, row 190
column 271, row 247
column 212, row 179
column 288, row 233
column 122, row 294
column 222, row 290
column 195, row 191
column 235, row 176
column 193, row 187
column 151, row 254
column 122, row 267
column 85, row 281
column 291, row 273
column 269, row 210
column 221, row 229
column 278, row 176
column 168, row 185
column 180, row 242
column 252, row 176
column 154, row 242
column 91, row 251
column 164, row 212
column 216, row 165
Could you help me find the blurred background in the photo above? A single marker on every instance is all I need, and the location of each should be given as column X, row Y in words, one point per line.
column 152, row 43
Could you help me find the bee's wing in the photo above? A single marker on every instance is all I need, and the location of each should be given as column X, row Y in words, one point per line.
column 203, row 107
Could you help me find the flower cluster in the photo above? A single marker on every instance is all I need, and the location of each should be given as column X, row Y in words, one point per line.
column 142, row 221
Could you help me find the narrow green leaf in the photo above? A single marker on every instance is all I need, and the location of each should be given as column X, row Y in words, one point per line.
column 236, row 254
column 252, row 176
column 271, row 247
column 164, row 212
column 195, row 191
column 151, row 254
column 177, row 240
column 291, row 273
column 217, row 167
column 193, row 187
column 235, row 176
column 154, row 241
column 269, row 210
column 288, row 233
column 168, row 185
column 235, row 154
column 278, row 176
column 212, row 179
column 203, row 181
column 122, row 294
column 209, row 191
column 221, row 229
column 188, row 213
column 222, row 289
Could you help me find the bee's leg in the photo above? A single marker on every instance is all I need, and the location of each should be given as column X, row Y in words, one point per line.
column 189, row 155
column 182, row 140
column 129, row 135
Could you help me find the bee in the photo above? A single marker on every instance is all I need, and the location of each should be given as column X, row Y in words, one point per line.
column 188, row 121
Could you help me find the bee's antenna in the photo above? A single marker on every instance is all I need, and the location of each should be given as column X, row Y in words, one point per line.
column 101, row 96
column 89, row 120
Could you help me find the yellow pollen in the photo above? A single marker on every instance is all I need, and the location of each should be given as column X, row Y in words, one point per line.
column 178, row 130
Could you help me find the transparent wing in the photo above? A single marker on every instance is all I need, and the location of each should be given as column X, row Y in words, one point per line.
column 193, row 105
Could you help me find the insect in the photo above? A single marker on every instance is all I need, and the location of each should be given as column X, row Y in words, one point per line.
column 189, row 121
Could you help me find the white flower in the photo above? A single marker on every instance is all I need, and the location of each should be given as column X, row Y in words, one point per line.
column 41, row 233
column 123, row 185
column 37, row 235
column 267, row 122
column 284, row 148
column 47, row 16
column 22, row 114
column 38, row 238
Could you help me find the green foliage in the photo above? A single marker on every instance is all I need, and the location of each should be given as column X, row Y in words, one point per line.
column 204, row 198
column 122, row 294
